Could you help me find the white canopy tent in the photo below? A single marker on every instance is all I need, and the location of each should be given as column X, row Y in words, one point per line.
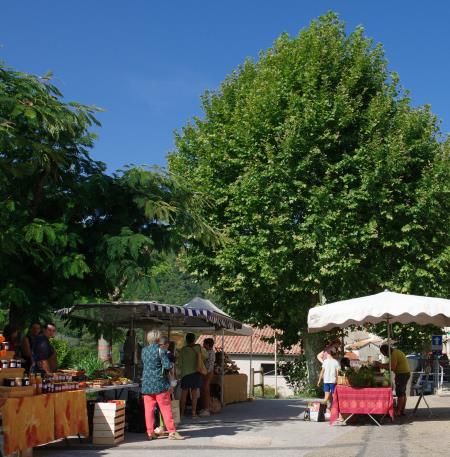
column 389, row 307
column 386, row 306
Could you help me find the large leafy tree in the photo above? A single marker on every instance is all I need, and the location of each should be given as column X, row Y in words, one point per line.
column 68, row 231
column 324, row 178
column 44, row 162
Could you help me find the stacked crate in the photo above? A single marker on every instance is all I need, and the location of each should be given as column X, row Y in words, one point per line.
column 109, row 422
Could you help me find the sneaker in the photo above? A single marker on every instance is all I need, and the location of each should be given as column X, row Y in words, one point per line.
column 175, row 436
column 204, row 413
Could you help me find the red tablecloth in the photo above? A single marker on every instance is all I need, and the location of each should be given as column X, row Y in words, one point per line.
column 362, row 400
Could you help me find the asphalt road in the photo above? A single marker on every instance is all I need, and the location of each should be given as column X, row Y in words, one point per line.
column 276, row 428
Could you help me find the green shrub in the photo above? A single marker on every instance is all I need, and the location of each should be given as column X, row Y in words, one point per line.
column 90, row 364
column 62, row 350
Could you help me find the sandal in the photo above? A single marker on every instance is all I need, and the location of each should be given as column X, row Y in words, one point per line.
column 153, row 436
column 175, row 436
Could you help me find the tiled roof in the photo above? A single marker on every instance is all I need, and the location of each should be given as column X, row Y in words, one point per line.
column 258, row 345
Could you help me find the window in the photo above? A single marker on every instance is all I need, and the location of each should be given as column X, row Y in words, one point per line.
column 268, row 369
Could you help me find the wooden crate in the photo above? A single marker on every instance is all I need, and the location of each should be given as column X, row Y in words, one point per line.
column 24, row 391
column 109, row 422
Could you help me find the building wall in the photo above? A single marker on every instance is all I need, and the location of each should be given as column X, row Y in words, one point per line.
column 243, row 362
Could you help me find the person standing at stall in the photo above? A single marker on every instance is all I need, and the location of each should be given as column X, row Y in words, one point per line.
column 44, row 354
column 329, row 374
column 28, row 343
column 156, row 387
column 191, row 378
column 400, row 366
column 208, row 344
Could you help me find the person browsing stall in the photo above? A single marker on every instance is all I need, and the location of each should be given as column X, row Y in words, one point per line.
column 329, row 374
column 191, row 379
column 208, row 345
column 156, row 388
column 400, row 366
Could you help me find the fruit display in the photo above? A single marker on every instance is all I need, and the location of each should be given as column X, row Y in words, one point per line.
column 367, row 376
column 229, row 365
column 108, row 373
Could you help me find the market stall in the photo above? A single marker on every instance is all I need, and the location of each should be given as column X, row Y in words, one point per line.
column 233, row 386
column 388, row 307
column 199, row 316
column 40, row 419
column 362, row 400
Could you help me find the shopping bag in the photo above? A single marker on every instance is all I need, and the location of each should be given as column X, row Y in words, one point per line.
column 176, row 411
column 317, row 411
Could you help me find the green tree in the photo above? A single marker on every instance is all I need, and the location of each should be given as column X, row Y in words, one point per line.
column 44, row 162
column 324, row 178
column 68, row 231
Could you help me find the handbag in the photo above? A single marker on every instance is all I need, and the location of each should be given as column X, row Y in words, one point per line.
column 200, row 365
column 175, row 404
column 168, row 374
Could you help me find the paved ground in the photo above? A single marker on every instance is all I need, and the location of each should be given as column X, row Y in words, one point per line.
column 275, row 428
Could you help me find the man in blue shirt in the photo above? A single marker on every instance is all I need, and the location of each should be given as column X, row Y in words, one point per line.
column 44, row 355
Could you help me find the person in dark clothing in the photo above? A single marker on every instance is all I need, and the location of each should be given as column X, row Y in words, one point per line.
column 12, row 335
column 28, row 342
column 44, row 354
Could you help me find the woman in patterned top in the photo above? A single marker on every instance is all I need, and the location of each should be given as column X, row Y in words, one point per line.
column 156, row 386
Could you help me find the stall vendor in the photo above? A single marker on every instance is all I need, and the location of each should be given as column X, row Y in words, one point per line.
column 44, row 354
column 400, row 366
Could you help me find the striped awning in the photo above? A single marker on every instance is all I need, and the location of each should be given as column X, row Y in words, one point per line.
column 148, row 313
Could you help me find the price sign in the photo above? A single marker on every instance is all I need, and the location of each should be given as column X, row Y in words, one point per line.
column 436, row 343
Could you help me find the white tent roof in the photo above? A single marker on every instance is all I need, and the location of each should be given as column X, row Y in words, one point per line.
column 207, row 305
column 378, row 308
column 203, row 303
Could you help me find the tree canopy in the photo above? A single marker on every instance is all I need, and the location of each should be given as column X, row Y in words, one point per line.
column 325, row 178
column 68, row 231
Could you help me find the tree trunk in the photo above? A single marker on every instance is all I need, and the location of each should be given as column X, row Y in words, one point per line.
column 104, row 350
column 312, row 344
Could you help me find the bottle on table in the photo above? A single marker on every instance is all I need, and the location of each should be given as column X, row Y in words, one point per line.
column 38, row 384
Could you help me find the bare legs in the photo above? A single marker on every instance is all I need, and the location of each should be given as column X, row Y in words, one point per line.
column 183, row 398
column 401, row 404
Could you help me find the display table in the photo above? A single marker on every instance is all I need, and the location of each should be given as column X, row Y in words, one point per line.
column 234, row 388
column 40, row 419
column 362, row 400
column 116, row 389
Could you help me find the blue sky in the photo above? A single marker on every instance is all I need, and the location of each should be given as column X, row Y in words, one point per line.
column 147, row 62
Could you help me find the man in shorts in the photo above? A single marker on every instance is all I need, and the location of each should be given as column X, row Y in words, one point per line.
column 191, row 379
column 400, row 366
column 329, row 374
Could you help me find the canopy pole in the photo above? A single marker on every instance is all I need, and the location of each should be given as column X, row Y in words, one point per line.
column 223, row 367
column 389, row 348
column 276, row 367
column 250, row 384
column 134, row 346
